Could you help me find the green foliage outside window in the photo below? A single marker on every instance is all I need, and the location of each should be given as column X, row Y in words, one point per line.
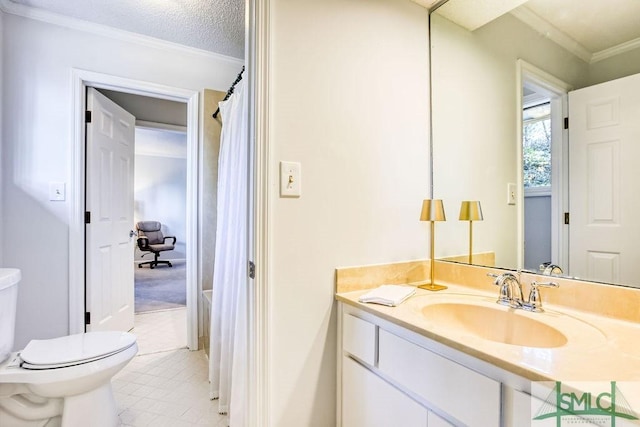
column 536, row 152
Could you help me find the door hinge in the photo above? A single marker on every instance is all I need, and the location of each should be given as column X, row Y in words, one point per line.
column 566, row 217
column 87, row 116
column 252, row 270
column 87, row 317
column 87, row 217
column 566, row 122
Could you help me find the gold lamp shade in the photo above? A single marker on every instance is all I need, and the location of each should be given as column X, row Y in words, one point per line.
column 432, row 210
column 470, row 210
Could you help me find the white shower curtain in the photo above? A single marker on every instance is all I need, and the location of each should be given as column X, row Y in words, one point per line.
column 228, row 332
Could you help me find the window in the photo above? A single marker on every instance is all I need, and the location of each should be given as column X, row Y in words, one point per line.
column 536, row 146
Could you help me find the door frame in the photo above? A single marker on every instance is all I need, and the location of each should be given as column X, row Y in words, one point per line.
column 81, row 79
column 257, row 412
column 558, row 91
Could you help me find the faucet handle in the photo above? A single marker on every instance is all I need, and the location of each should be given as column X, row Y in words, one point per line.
column 535, row 298
column 496, row 278
column 545, row 284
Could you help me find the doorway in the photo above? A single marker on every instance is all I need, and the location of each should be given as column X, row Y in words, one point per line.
column 160, row 320
column 81, row 81
column 542, row 169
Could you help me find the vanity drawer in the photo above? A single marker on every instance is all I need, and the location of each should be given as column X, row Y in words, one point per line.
column 359, row 338
column 466, row 395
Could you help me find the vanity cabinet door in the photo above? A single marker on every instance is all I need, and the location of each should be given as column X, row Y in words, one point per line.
column 369, row 401
column 466, row 395
column 518, row 406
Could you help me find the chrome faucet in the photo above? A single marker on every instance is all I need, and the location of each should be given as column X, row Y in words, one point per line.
column 510, row 293
column 549, row 269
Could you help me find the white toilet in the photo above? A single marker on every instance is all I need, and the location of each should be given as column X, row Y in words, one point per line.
column 57, row 382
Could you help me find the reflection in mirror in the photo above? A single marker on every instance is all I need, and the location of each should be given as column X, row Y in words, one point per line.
column 503, row 83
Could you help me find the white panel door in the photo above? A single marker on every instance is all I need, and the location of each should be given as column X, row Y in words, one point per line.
column 109, row 199
column 604, row 162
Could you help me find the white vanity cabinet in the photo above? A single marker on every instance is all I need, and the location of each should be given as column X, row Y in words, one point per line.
column 390, row 376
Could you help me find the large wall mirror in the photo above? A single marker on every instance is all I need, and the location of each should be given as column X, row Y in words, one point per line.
column 557, row 192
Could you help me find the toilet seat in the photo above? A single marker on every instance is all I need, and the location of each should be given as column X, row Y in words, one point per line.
column 74, row 349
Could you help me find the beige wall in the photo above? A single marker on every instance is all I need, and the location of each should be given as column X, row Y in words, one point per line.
column 210, row 151
column 349, row 100
column 625, row 64
column 474, row 131
column 211, row 129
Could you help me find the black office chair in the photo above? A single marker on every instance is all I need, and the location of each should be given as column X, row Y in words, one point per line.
column 151, row 240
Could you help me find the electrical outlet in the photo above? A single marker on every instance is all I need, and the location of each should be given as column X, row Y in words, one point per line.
column 290, row 179
column 511, row 193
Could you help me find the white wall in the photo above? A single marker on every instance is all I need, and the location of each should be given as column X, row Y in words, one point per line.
column 160, row 187
column 349, row 100
column 36, row 140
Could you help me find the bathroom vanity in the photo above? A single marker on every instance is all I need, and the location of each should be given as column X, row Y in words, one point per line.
column 455, row 357
column 392, row 376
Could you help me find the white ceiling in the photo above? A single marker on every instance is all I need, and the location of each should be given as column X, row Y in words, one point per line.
column 213, row 25
column 149, row 109
column 595, row 24
column 591, row 29
column 473, row 14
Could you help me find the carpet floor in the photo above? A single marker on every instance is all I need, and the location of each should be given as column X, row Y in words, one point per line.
column 161, row 288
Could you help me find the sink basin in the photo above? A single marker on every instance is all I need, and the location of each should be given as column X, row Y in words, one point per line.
column 498, row 324
column 468, row 317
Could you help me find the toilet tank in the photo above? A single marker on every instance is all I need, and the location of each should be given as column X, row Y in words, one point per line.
column 9, row 278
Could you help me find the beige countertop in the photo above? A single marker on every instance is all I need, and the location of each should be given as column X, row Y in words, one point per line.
column 598, row 348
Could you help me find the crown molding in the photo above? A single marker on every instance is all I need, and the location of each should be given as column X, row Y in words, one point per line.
column 29, row 12
column 616, row 50
column 552, row 33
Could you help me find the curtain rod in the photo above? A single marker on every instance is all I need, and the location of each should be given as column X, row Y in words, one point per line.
column 230, row 91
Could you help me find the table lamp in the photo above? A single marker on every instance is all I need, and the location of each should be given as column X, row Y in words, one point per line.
column 432, row 211
column 470, row 210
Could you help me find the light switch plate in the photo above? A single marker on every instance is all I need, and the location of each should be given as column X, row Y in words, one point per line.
column 290, row 179
column 511, row 194
column 57, row 191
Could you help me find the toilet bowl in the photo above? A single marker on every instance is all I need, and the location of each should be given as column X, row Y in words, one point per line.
column 63, row 381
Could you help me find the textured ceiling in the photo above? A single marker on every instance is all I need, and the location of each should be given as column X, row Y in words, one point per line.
column 213, row 25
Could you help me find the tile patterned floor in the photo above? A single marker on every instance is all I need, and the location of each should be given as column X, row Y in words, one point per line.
column 165, row 388
column 161, row 330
